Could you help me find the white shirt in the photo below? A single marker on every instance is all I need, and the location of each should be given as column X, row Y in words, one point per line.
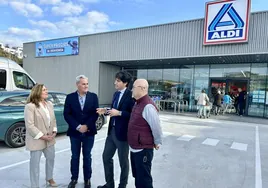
column 121, row 94
column 45, row 109
column 46, row 112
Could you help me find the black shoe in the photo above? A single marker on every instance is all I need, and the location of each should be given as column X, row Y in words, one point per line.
column 72, row 184
column 87, row 184
column 102, row 186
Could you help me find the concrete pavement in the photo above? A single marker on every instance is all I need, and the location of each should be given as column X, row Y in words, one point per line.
column 196, row 153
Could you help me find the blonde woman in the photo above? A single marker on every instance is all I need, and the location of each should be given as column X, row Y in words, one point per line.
column 41, row 130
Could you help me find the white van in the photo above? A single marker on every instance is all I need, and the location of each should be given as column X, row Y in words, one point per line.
column 13, row 76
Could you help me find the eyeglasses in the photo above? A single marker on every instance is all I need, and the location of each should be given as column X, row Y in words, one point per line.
column 137, row 86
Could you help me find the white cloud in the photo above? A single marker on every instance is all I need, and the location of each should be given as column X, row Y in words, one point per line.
column 27, row 9
column 5, row 2
column 135, row 2
column 89, row 1
column 50, row 2
column 91, row 22
column 44, row 24
column 24, row 32
column 16, row 36
column 67, row 9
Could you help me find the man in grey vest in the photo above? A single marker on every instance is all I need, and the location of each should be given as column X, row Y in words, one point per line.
column 144, row 134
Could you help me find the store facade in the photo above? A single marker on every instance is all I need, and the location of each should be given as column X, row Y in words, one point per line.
column 186, row 82
column 226, row 50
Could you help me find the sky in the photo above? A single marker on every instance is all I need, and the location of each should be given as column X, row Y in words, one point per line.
column 34, row 20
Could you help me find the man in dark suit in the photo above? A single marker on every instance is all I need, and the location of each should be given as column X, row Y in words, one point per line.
column 117, row 132
column 80, row 114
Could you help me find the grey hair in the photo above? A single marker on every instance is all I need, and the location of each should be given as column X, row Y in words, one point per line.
column 80, row 77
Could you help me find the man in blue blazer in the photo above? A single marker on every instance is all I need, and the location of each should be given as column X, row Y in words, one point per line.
column 80, row 114
column 120, row 111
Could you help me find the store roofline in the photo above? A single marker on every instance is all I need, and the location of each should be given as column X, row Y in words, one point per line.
column 136, row 28
column 182, row 61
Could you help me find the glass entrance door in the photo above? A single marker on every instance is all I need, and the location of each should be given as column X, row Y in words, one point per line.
column 230, row 86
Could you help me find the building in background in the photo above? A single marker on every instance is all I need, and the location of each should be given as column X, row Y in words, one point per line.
column 226, row 50
column 17, row 51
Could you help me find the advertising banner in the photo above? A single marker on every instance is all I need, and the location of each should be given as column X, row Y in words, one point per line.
column 59, row 47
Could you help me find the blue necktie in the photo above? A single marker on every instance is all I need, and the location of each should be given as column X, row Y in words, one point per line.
column 116, row 99
column 82, row 102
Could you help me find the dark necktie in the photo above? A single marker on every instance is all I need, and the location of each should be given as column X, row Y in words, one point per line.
column 116, row 99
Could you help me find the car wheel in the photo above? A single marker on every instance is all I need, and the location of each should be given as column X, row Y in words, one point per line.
column 99, row 122
column 15, row 136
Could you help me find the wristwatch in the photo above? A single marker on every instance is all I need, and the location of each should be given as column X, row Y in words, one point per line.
column 120, row 113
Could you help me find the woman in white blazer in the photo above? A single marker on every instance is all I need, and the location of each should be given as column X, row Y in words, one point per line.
column 41, row 130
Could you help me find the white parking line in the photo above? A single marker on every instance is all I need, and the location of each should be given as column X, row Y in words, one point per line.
column 26, row 161
column 258, row 178
column 164, row 119
column 165, row 134
column 186, row 138
column 211, row 142
column 239, row 146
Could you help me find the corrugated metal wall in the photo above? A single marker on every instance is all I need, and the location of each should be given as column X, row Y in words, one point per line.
column 182, row 39
column 174, row 40
column 106, row 82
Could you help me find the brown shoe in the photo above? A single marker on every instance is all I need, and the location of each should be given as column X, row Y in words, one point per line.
column 52, row 183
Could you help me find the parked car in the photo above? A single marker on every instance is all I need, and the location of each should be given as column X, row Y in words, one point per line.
column 12, row 126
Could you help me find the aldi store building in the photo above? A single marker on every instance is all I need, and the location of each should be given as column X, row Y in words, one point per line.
column 228, row 49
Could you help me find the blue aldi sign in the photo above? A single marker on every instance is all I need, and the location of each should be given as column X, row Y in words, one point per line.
column 226, row 21
column 59, row 47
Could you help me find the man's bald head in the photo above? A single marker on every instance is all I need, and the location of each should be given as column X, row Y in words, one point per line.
column 140, row 88
column 142, row 83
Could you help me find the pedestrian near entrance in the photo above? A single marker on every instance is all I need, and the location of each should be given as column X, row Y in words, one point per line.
column 80, row 114
column 203, row 100
column 144, row 134
column 227, row 101
column 241, row 101
column 217, row 102
column 41, row 130
column 117, row 132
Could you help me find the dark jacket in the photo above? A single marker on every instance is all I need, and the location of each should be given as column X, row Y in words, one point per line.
column 139, row 132
column 121, row 122
column 74, row 116
column 217, row 100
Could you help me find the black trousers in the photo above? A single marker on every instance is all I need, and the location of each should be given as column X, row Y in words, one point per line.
column 111, row 145
column 241, row 108
column 141, row 164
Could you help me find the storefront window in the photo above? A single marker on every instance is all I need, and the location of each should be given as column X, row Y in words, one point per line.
column 142, row 73
column 185, row 86
column 256, row 97
column 230, row 70
column 156, row 87
column 201, row 80
column 170, row 82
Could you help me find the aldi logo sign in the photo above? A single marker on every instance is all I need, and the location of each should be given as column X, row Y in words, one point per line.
column 226, row 21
